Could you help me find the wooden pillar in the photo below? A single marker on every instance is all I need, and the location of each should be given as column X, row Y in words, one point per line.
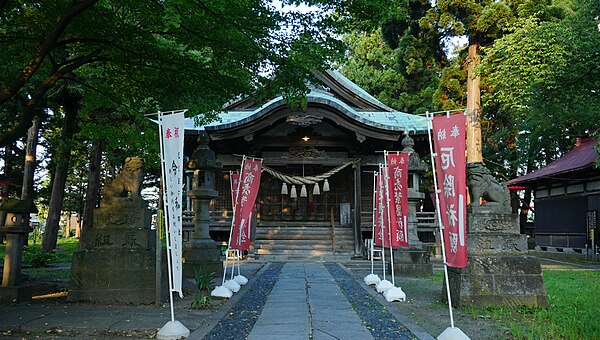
column 473, row 105
column 357, row 211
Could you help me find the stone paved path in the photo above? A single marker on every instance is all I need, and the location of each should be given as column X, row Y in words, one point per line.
column 305, row 303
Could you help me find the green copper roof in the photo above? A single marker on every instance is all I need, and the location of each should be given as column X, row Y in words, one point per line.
column 385, row 120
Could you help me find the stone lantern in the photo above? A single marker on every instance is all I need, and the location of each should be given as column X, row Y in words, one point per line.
column 16, row 227
column 4, row 183
column 201, row 251
column 414, row 260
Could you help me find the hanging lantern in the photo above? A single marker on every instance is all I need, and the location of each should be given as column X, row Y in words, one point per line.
column 316, row 190
column 293, row 192
column 303, row 191
column 326, row 186
column 284, row 190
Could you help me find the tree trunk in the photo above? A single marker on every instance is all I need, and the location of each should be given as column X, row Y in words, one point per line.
column 67, row 231
column 91, row 194
column 29, row 167
column 5, row 190
column 71, row 107
column 474, row 153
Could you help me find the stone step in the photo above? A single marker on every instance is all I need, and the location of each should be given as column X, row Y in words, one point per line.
column 304, row 242
column 306, row 247
column 362, row 265
column 304, row 236
column 294, row 257
column 294, row 238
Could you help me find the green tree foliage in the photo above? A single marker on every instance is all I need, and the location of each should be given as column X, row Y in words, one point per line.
column 398, row 77
column 544, row 79
column 533, row 49
column 126, row 58
column 140, row 56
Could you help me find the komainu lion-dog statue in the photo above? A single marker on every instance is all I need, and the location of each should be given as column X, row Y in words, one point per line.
column 128, row 182
column 482, row 184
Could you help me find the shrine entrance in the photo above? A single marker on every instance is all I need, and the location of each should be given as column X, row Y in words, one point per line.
column 338, row 135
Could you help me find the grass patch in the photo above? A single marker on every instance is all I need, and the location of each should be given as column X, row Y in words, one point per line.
column 437, row 276
column 572, row 312
column 65, row 247
column 48, row 274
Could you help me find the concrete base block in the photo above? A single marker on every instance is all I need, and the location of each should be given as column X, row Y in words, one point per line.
column 113, row 276
column 16, row 294
column 202, row 254
column 498, row 281
column 412, row 262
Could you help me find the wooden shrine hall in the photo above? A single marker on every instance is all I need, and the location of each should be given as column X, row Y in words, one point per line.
column 341, row 135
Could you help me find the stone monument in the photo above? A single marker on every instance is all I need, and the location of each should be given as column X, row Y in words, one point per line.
column 413, row 261
column 16, row 227
column 499, row 272
column 118, row 264
column 202, row 251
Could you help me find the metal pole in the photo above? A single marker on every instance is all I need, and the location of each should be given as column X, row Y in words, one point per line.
column 387, row 199
column 441, row 227
column 374, row 219
column 382, row 227
column 237, row 190
column 167, row 218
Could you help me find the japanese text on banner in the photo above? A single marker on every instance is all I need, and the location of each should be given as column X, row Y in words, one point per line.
column 382, row 229
column 449, row 141
column 244, row 206
column 234, row 180
column 172, row 140
column 398, row 189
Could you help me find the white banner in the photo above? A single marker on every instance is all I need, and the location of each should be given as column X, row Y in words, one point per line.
column 172, row 131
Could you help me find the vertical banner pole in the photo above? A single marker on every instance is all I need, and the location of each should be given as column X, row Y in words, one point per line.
column 167, row 215
column 374, row 218
column 387, row 198
column 383, row 224
column 237, row 191
column 439, row 215
column 172, row 152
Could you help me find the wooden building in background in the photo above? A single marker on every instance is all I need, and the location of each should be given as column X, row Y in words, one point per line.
column 341, row 125
column 567, row 199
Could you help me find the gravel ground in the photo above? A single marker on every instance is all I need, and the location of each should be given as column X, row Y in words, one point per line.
column 240, row 319
column 423, row 308
column 381, row 323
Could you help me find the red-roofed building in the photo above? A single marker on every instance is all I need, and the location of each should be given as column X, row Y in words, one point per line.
column 567, row 199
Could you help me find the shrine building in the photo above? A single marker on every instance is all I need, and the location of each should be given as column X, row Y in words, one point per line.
column 338, row 138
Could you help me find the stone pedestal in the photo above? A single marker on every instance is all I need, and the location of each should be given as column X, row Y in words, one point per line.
column 16, row 228
column 499, row 272
column 12, row 290
column 201, row 251
column 118, row 265
column 413, row 261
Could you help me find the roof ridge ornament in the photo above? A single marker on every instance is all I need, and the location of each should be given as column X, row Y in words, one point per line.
column 304, row 120
column 304, row 153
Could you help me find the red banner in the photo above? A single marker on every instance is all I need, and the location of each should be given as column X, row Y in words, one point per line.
column 398, row 190
column 244, row 204
column 234, row 179
column 381, row 237
column 450, row 162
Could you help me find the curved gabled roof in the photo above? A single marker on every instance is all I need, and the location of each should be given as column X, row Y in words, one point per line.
column 583, row 156
column 338, row 94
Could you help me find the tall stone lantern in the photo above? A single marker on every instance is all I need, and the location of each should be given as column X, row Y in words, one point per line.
column 17, row 229
column 202, row 251
column 414, row 260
